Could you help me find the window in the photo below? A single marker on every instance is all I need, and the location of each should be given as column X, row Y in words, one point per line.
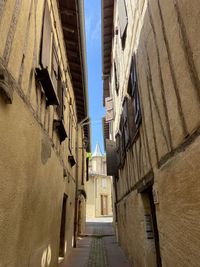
column 47, row 74
column 70, row 123
column 109, row 109
column 122, row 141
column 54, row 68
column 134, row 103
column 125, row 117
column 123, row 20
column 118, row 148
column 60, row 93
column 104, row 183
column 46, row 42
column 111, row 158
column 59, row 123
column 116, row 78
column 130, row 118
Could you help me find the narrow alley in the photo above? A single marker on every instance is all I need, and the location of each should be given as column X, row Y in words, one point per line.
column 99, row 133
column 98, row 247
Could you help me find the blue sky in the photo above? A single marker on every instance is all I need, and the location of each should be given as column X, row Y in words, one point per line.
column 93, row 43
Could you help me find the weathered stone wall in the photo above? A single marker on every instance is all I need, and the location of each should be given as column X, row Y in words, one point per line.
column 34, row 168
column 163, row 35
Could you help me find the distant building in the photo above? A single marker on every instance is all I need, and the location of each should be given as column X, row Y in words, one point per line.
column 43, row 103
column 98, row 188
column 151, row 83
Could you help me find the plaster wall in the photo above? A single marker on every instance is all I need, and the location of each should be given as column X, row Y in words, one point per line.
column 163, row 36
column 34, row 168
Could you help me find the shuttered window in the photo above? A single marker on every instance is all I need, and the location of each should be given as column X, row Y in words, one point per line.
column 125, row 119
column 116, row 78
column 54, row 69
column 109, row 109
column 134, row 105
column 123, row 19
column 46, row 39
column 131, row 120
column 111, row 158
column 47, row 73
column 70, row 128
column 60, row 93
column 118, row 148
column 137, row 110
column 122, row 141
column 133, row 78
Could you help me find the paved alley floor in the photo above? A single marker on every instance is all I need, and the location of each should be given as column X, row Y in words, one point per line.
column 98, row 248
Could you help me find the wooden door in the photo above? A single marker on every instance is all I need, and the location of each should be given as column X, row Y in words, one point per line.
column 104, row 205
column 62, row 227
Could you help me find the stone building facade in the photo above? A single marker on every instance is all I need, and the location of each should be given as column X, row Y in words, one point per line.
column 151, row 70
column 98, row 187
column 43, row 107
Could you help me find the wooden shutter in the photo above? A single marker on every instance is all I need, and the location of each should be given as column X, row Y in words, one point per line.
column 134, row 111
column 123, row 19
column 60, row 107
column 116, row 78
column 125, row 119
column 111, row 158
column 133, row 76
column 105, row 128
column 118, row 148
column 138, row 116
column 131, row 119
column 60, row 93
column 54, row 70
column 109, row 109
column 122, row 140
column 46, row 39
column 132, row 86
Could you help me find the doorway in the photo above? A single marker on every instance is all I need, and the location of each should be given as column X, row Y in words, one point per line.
column 62, row 227
column 79, row 217
column 104, row 205
column 151, row 222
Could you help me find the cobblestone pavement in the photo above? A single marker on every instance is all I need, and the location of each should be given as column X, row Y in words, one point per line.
column 97, row 248
column 97, row 256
